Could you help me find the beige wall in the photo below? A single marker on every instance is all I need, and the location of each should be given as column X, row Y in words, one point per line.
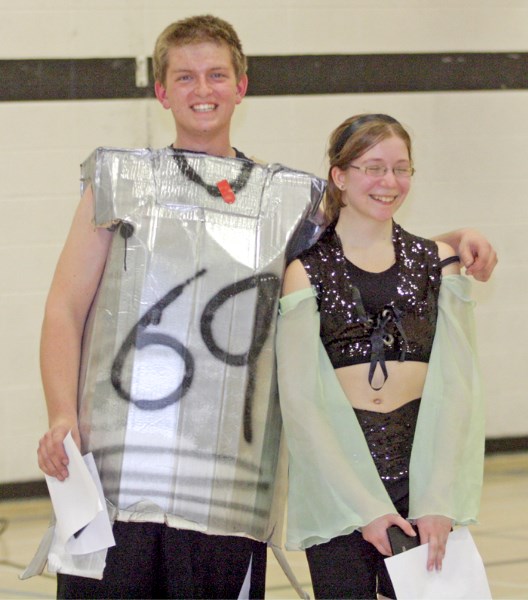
column 471, row 151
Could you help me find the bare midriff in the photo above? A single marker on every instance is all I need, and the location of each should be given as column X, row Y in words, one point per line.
column 404, row 383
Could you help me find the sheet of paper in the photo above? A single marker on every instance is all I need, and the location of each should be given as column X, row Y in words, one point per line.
column 75, row 500
column 82, row 524
column 462, row 576
column 98, row 534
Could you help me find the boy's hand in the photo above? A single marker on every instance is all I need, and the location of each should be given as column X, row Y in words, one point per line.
column 52, row 457
column 477, row 255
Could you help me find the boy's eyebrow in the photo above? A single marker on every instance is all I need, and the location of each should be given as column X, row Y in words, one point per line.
column 184, row 70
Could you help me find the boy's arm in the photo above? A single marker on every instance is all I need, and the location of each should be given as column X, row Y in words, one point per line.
column 72, row 291
column 475, row 251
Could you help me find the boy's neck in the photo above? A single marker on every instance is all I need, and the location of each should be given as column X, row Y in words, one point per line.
column 213, row 148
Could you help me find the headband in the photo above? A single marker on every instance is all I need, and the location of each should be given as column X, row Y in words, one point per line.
column 353, row 127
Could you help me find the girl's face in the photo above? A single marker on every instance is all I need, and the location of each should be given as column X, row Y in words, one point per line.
column 371, row 194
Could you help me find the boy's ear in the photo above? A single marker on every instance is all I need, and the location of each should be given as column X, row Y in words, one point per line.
column 242, row 87
column 161, row 94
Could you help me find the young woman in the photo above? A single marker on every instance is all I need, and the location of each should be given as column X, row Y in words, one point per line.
column 378, row 380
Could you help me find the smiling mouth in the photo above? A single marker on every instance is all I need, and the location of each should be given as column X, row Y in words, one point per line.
column 384, row 199
column 203, row 108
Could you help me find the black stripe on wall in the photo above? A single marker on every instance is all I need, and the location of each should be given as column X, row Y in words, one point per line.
column 107, row 78
column 70, row 79
column 379, row 73
column 506, row 444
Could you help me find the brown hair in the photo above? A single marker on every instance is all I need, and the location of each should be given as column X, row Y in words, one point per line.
column 193, row 30
column 349, row 141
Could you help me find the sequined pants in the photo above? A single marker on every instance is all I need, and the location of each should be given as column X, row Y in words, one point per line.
column 348, row 566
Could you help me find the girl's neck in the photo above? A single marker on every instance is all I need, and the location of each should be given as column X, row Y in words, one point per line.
column 366, row 243
column 362, row 233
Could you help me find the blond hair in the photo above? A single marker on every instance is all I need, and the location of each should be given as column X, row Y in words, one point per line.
column 194, row 30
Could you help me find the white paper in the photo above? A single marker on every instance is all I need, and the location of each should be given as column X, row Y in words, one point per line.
column 462, row 576
column 98, row 534
column 79, row 506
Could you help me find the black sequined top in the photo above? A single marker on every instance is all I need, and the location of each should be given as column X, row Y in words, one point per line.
column 374, row 317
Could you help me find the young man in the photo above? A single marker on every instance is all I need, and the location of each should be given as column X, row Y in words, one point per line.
column 200, row 73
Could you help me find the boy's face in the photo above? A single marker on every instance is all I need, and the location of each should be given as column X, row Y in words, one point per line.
column 201, row 91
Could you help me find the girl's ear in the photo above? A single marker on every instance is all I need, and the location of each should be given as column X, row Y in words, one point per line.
column 338, row 177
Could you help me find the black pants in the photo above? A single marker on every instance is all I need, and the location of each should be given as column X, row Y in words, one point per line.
column 349, row 567
column 151, row 560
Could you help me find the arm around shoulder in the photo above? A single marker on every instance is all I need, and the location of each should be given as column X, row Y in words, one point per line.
column 476, row 253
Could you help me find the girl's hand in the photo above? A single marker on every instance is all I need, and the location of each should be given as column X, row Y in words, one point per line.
column 434, row 530
column 376, row 532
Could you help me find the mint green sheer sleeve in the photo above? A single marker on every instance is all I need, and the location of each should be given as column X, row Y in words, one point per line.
column 448, row 451
column 334, row 486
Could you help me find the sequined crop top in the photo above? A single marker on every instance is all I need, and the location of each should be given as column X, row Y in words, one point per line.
column 374, row 317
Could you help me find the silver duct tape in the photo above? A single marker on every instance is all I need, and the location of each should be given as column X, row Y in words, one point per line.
column 178, row 398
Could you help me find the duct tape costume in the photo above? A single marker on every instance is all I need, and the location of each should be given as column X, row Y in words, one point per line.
column 177, row 394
